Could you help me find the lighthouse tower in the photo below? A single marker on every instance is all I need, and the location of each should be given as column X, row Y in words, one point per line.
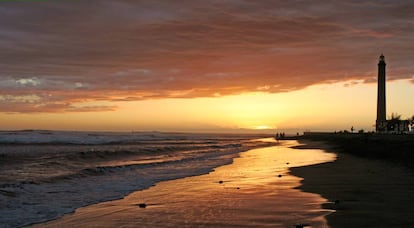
column 381, row 123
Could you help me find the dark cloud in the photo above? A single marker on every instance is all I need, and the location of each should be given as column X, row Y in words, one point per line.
column 67, row 53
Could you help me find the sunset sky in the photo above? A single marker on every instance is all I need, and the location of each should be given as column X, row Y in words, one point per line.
column 122, row 65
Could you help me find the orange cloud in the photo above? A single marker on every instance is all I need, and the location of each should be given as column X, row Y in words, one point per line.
column 69, row 53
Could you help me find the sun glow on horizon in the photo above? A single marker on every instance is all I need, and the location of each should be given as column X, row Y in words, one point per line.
column 323, row 106
column 262, row 127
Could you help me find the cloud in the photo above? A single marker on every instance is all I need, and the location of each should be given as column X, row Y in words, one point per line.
column 20, row 98
column 28, row 82
column 36, row 104
column 69, row 52
column 96, row 108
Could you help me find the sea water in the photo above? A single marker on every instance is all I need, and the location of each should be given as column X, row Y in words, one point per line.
column 255, row 190
column 45, row 174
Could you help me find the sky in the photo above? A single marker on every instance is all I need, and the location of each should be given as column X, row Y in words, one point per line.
column 225, row 66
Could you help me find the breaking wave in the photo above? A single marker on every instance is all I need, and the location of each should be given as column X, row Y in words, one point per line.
column 45, row 174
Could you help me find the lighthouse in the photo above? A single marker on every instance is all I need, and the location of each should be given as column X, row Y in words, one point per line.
column 381, row 123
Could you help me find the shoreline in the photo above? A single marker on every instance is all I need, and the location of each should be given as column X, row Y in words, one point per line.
column 364, row 191
column 107, row 177
column 255, row 190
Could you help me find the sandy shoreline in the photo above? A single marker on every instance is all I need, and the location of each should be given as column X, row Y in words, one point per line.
column 255, row 190
column 364, row 192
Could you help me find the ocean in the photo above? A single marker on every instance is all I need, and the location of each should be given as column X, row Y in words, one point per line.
column 45, row 174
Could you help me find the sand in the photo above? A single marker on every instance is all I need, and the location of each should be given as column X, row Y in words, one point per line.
column 354, row 192
column 364, row 192
column 255, row 190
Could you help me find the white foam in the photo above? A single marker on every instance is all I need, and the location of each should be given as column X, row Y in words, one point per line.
column 69, row 137
column 34, row 203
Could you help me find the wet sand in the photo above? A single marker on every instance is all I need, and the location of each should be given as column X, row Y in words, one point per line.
column 255, row 190
column 364, row 192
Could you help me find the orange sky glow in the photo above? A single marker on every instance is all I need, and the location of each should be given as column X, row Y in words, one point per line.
column 203, row 66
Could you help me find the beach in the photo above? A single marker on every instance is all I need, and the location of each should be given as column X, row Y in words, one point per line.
column 364, row 192
column 327, row 180
column 256, row 189
column 46, row 174
column 234, row 113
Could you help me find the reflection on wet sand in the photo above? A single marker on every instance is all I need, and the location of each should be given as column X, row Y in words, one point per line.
column 255, row 190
